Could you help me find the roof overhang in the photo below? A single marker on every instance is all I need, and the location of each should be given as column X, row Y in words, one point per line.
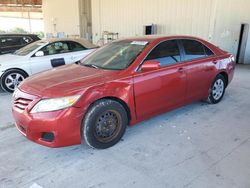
column 21, row 6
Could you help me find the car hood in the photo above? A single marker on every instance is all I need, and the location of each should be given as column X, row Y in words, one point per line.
column 65, row 81
column 7, row 60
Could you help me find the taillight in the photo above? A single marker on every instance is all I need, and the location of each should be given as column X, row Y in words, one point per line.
column 232, row 58
column 232, row 63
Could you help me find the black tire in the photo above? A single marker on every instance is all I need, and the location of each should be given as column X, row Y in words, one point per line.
column 17, row 80
column 104, row 124
column 215, row 95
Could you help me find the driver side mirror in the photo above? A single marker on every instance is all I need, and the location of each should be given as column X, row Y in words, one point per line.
column 39, row 54
column 150, row 65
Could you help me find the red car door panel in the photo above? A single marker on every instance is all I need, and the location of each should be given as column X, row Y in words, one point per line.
column 159, row 90
column 199, row 71
column 198, row 79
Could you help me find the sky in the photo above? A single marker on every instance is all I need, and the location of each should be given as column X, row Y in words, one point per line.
column 11, row 23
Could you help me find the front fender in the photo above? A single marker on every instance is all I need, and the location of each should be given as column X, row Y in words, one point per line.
column 117, row 89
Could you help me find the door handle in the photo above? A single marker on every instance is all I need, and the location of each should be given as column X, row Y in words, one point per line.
column 181, row 70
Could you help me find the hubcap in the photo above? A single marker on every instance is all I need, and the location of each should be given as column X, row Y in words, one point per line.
column 218, row 89
column 107, row 126
column 13, row 80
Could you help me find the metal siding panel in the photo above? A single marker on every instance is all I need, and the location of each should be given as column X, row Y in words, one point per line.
column 172, row 17
column 228, row 21
column 215, row 20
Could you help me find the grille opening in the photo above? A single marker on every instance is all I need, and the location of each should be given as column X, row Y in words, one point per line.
column 22, row 128
column 21, row 103
column 48, row 136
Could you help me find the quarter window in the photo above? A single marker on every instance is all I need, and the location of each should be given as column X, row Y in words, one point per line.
column 208, row 51
column 193, row 49
column 166, row 53
column 26, row 40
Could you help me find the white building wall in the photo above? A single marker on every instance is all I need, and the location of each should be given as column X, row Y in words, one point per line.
column 61, row 16
column 217, row 21
column 230, row 14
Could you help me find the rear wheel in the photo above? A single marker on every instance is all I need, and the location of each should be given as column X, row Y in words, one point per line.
column 104, row 124
column 11, row 79
column 217, row 90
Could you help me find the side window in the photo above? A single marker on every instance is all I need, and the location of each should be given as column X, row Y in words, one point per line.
column 193, row 49
column 1, row 42
column 10, row 41
column 74, row 46
column 26, row 40
column 166, row 53
column 208, row 51
column 56, row 48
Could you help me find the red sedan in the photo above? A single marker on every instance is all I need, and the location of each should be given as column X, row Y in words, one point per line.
column 120, row 84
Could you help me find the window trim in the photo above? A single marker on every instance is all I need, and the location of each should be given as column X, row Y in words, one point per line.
column 138, row 68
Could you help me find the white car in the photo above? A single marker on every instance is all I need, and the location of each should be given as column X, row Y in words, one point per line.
column 40, row 56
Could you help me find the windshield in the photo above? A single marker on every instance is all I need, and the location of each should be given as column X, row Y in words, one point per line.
column 29, row 48
column 116, row 55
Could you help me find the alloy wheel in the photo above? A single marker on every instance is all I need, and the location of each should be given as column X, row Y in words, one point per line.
column 13, row 80
column 218, row 89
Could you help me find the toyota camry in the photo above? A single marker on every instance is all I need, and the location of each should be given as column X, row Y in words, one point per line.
column 120, row 84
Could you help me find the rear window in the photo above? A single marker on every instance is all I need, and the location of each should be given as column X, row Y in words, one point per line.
column 193, row 49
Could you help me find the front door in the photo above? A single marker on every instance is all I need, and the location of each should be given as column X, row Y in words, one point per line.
column 164, row 88
column 55, row 54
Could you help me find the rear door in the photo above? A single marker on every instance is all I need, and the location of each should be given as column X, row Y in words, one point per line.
column 78, row 51
column 200, row 68
column 160, row 89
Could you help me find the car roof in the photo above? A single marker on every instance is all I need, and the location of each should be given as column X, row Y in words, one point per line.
column 151, row 38
column 159, row 38
column 17, row 34
column 83, row 42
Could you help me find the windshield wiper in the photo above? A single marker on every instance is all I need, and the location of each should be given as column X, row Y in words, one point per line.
column 91, row 65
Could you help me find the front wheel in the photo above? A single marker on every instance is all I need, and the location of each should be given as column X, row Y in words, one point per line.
column 217, row 90
column 104, row 124
column 11, row 79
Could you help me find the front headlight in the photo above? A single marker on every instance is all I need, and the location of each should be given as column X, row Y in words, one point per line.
column 48, row 105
